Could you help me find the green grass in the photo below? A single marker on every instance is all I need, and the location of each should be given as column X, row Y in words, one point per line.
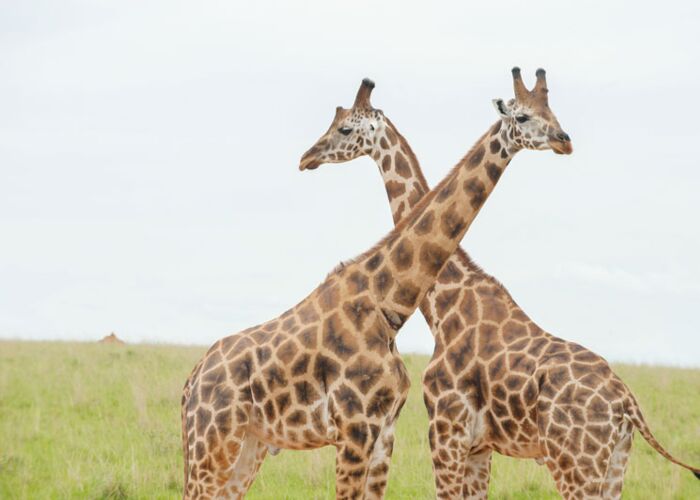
column 99, row 421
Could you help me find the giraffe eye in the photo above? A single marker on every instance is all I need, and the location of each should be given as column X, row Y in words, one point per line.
column 522, row 118
column 345, row 130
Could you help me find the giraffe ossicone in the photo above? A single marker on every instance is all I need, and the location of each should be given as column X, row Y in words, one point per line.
column 496, row 380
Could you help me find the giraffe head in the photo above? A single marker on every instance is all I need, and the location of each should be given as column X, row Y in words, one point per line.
column 529, row 122
column 353, row 132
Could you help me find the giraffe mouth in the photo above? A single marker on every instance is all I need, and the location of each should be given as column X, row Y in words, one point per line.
column 309, row 164
column 561, row 147
column 309, row 161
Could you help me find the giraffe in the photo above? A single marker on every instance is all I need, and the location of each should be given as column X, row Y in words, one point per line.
column 496, row 380
column 327, row 371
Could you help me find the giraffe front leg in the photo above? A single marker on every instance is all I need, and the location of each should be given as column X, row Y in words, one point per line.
column 449, row 455
column 477, row 473
column 379, row 464
column 351, row 469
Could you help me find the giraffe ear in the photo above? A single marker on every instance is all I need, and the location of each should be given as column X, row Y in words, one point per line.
column 501, row 108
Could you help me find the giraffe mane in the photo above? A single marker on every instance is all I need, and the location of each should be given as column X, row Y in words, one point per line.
column 477, row 269
column 415, row 211
column 471, row 264
column 409, row 151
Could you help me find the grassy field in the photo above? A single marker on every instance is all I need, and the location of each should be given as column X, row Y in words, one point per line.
column 100, row 421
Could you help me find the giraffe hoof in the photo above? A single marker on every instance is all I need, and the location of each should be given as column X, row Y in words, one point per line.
column 273, row 450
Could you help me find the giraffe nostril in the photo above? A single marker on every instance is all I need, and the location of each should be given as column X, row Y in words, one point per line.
column 563, row 136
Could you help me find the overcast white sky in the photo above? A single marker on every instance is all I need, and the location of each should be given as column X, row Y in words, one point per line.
column 149, row 153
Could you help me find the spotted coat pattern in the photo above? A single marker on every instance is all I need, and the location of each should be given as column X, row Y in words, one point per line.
column 327, row 371
column 496, row 380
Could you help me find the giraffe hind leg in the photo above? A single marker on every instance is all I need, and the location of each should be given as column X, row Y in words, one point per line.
column 223, row 468
column 246, row 466
column 210, row 464
column 584, row 479
column 612, row 488
column 577, row 461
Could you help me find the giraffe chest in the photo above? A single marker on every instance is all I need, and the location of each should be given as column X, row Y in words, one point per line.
column 303, row 415
column 304, row 389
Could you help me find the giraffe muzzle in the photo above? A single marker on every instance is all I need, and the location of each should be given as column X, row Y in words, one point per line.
column 310, row 160
column 560, row 143
column 309, row 164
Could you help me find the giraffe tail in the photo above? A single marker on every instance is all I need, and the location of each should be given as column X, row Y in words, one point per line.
column 183, row 414
column 635, row 415
column 186, row 394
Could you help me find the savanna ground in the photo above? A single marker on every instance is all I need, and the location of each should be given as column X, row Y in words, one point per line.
column 102, row 421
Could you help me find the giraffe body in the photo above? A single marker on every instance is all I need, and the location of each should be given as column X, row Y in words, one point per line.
column 304, row 380
column 327, row 372
column 497, row 381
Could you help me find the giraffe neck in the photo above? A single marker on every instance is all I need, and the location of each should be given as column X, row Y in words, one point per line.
column 431, row 232
column 403, row 178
